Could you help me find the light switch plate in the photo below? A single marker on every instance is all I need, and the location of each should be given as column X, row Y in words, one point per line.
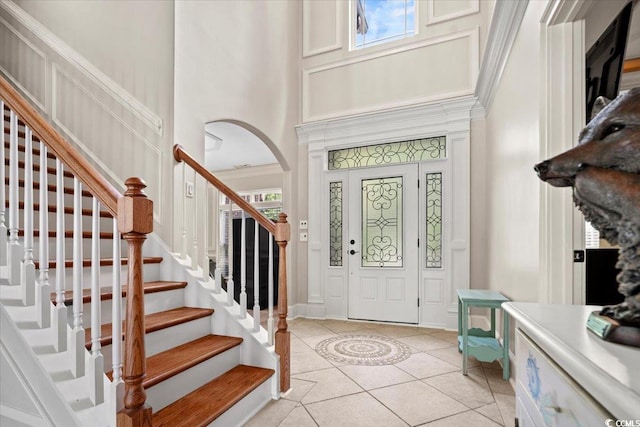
column 189, row 189
column 304, row 224
column 304, row 237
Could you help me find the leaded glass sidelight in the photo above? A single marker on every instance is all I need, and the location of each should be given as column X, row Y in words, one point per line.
column 416, row 150
column 335, row 224
column 434, row 220
column 382, row 236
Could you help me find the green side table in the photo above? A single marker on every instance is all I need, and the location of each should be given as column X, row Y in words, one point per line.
column 481, row 344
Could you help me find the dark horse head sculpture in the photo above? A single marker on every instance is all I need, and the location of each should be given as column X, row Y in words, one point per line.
column 604, row 171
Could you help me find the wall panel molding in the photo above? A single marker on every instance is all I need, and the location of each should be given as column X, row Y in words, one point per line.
column 308, row 48
column 432, row 18
column 33, row 66
column 100, row 149
column 83, row 65
column 322, row 83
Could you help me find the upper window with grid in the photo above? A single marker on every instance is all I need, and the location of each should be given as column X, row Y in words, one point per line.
column 381, row 21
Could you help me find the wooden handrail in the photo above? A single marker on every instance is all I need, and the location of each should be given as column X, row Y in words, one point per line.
column 182, row 156
column 96, row 184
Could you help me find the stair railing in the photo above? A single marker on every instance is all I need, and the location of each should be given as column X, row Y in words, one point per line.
column 132, row 217
column 280, row 230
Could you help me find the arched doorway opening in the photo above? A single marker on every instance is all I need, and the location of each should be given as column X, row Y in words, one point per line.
column 249, row 163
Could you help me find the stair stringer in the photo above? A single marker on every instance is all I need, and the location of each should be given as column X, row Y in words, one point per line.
column 36, row 382
column 225, row 320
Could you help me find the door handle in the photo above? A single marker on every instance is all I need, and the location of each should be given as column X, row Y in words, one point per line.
column 352, row 252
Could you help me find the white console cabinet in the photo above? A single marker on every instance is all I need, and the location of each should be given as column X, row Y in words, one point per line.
column 567, row 376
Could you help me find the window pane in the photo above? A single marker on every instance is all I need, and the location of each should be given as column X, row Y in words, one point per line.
column 434, row 220
column 387, row 154
column 335, row 224
column 378, row 21
column 382, row 222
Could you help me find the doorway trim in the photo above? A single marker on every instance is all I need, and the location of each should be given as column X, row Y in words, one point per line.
column 326, row 288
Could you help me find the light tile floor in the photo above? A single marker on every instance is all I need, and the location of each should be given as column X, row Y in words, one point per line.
column 428, row 388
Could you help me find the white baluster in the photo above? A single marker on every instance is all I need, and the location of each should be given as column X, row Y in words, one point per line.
column 15, row 250
column 3, row 224
column 96, row 386
column 194, row 257
column 256, row 279
column 230, row 284
column 243, row 268
column 217, row 274
column 43, row 291
column 205, row 242
column 270, row 325
column 60, row 312
column 77, row 335
column 28, row 269
column 116, row 324
column 184, row 211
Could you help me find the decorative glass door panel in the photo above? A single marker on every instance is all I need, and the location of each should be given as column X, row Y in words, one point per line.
column 382, row 222
column 382, row 244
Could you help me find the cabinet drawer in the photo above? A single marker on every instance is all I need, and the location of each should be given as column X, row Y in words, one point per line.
column 549, row 395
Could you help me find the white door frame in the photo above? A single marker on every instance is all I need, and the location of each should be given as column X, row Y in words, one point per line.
column 326, row 286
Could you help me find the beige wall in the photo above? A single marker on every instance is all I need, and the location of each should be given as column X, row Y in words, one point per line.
column 238, row 61
column 505, row 190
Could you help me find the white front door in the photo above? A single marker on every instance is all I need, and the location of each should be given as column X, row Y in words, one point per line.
column 382, row 244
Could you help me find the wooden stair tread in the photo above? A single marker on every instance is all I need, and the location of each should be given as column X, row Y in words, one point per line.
column 69, row 234
column 171, row 362
column 36, row 151
column 153, row 322
column 106, row 292
column 204, row 405
column 67, row 209
column 103, row 262
column 50, row 187
column 36, row 168
column 21, row 133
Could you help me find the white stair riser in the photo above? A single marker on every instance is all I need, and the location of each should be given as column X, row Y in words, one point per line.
column 246, row 408
column 153, row 303
column 105, row 223
column 106, row 248
column 172, row 389
column 150, row 273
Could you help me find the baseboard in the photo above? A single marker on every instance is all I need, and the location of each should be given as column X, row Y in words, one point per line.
column 309, row 310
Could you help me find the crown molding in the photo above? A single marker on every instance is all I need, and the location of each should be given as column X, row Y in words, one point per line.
column 505, row 23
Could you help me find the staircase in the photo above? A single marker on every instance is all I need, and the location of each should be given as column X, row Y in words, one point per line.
column 203, row 362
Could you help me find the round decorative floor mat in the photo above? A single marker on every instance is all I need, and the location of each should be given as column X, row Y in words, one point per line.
column 372, row 350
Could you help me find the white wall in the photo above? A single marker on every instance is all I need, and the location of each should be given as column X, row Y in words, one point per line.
column 505, row 210
column 238, row 61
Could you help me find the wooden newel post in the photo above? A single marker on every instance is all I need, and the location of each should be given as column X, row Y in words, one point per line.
column 283, row 234
column 135, row 221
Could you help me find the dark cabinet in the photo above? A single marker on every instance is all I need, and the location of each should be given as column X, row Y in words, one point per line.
column 263, row 247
